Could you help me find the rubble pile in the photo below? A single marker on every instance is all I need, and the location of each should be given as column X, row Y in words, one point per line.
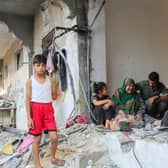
column 80, row 145
column 77, row 145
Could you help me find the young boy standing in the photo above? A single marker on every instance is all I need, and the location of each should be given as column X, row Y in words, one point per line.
column 40, row 91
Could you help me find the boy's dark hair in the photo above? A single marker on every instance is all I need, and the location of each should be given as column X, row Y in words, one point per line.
column 99, row 86
column 154, row 76
column 39, row 58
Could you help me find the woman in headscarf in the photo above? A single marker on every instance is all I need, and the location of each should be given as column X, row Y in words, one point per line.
column 128, row 102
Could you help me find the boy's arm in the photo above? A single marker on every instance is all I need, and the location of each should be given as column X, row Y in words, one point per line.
column 28, row 97
column 100, row 102
column 27, row 102
column 53, row 89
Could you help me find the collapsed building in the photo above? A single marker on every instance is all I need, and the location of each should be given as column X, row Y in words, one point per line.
column 100, row 40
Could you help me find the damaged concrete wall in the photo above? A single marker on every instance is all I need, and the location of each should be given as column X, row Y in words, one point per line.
column 14, row 82
column 137, row 40
column 98, row 43
column 16, row 69
column 58, row 16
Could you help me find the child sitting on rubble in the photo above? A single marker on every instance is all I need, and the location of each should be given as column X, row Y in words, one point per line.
column 102, row 105
column 40, row 91
column 128, row 103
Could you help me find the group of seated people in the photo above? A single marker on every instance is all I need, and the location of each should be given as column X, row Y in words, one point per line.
column 138, row 103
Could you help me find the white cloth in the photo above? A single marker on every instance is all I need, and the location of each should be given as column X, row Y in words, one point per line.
column 50, row 66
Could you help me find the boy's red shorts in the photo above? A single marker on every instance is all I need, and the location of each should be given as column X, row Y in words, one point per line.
column 43, row 118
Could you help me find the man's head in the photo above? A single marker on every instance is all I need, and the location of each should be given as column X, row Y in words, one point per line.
column 153, row 79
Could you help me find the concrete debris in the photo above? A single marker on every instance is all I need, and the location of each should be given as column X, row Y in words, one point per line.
column 155, row 135
column 126, row 143
column 75, row 128
column 6, row 103
column 81, row 145
column 7, row 112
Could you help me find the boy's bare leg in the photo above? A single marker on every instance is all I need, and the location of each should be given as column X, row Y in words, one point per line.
column 107, row 124
column 35, row 148
column 54, row 142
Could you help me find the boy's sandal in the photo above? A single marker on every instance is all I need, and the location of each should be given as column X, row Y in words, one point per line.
column 58, row 162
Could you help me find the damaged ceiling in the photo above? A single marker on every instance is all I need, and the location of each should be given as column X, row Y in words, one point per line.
column 20, row 7
column 7, row 39
column 17, row 7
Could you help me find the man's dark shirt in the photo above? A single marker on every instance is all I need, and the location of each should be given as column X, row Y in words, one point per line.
column 146, row 91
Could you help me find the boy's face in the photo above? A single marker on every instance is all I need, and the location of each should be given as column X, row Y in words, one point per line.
column 104, row 91
column 39, row 68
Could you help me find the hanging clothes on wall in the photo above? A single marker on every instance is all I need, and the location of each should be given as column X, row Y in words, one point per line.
column 50, row 66
column 56, row 68
column 73, row 112
column 55, row 61
column 62, row 68
column 60, row 94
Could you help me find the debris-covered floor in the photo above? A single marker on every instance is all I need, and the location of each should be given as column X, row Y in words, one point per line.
column 80, row 144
